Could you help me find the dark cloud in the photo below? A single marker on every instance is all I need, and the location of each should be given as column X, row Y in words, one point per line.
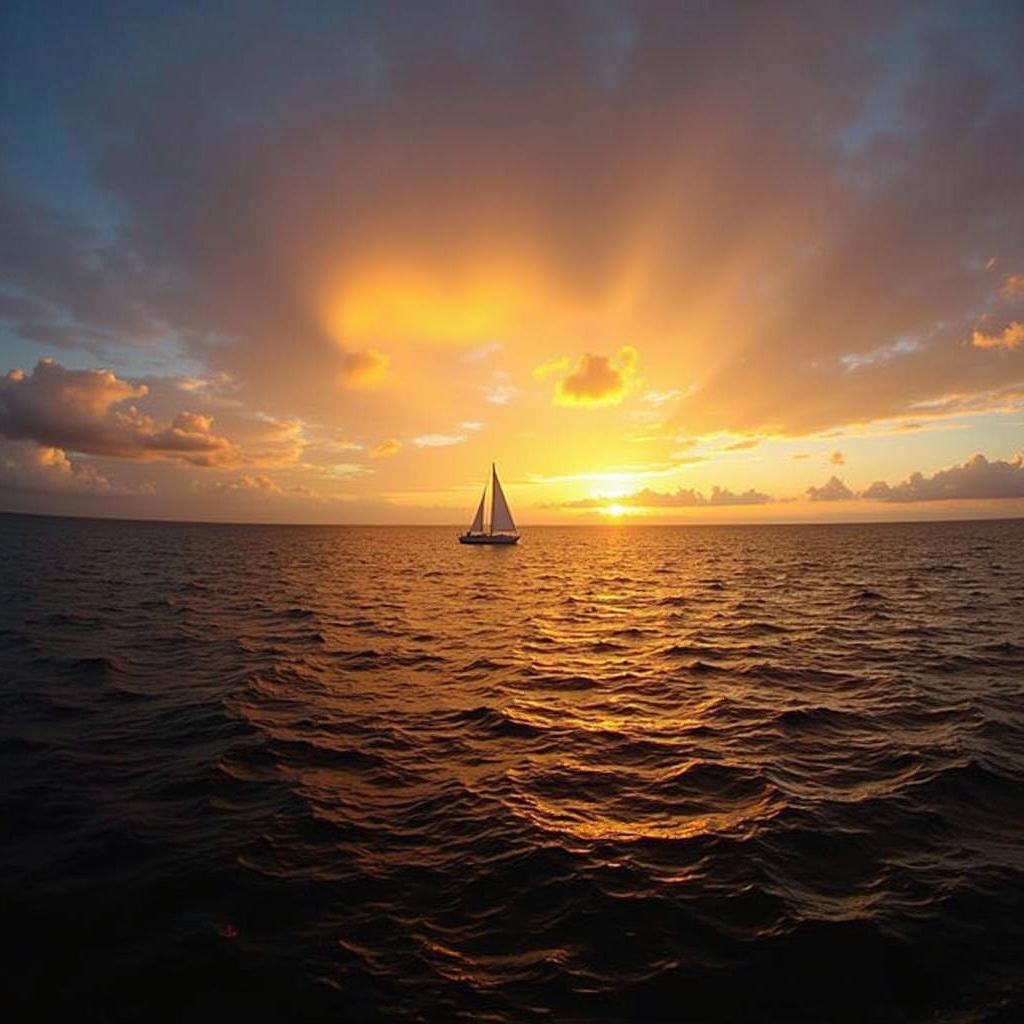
column 977, row 478
column 834, row 490
column 70, row 286
column 692, row 171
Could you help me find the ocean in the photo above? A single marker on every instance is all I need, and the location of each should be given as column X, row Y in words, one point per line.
column 623, row 773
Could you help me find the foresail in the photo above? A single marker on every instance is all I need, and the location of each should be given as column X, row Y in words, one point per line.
column 477, row 525
column 501, row 516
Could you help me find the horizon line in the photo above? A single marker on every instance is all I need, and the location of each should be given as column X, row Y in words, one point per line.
column 617, row 525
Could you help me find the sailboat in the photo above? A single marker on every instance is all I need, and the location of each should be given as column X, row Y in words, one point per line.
column 501, row 530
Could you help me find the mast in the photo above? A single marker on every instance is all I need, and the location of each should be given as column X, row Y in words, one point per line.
column 494, row 497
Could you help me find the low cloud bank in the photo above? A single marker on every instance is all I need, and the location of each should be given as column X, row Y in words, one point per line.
column 682, row 498
column 976, row 479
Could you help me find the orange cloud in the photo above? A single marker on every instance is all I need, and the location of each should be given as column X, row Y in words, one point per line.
column 47, row 470
column 1011, row 337
column 551, row 368
column 258, row 482
column 682, row 498
column 837, row 459
column 391, row 446
column 1012, row 287
column 598, row 380
column 365, row 369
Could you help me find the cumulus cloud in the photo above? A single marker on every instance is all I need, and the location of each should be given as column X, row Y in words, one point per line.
column 80, row 410
column 1012, row 336
column 390, row 446
column 976, row 478
column 595, row 380
column 46, row 470
column 682, row 498
column 837, row 459
column 834, row 490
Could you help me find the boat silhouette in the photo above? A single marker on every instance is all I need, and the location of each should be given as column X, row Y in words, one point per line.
column 501, row 529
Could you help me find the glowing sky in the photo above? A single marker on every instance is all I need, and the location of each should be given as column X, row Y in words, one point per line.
column 664, row 262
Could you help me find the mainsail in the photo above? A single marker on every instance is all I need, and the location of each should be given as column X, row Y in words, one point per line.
column 477, row 526
column 501, row 517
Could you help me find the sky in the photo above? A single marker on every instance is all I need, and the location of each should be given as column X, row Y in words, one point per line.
column 661, row 262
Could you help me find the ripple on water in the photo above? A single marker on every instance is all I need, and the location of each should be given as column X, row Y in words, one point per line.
column 764, row 774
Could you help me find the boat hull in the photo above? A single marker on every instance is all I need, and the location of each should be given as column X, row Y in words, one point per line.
column 489, row 538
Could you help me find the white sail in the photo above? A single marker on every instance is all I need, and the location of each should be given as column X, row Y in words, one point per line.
column 501, row 517
column 477, row 526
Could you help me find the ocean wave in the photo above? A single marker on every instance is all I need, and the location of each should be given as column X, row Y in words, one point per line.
column 767, row 774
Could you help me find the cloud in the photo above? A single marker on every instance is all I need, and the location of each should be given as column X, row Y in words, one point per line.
column 78, row 410
column 39, row 469
column 882, row 354
column 595, row 380
column 551, row 368
column 1012, row 336
column 744, row 445
column 837, row 459
column 682, row 498
column 500, row 391
column 976, row 478
column 834, row 490
column 438, row 440
column 285, row 199
column 658, row 398
column 267, row 441
column 801, row 455
column 366, row 369
column 259, row 483
column 1012, row 287
column 391, row 446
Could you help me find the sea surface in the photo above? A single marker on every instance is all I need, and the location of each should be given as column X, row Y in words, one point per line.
column 699, row 774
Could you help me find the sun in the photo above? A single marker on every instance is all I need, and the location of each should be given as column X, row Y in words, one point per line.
column 614, row 510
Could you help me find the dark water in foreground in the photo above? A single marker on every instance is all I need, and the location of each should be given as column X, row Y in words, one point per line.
column 682, row 774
